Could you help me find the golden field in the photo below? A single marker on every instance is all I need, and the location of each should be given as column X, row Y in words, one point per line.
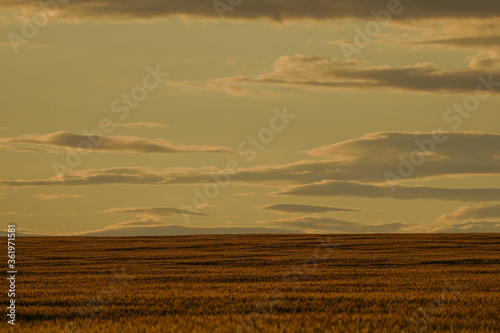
column 258, row 283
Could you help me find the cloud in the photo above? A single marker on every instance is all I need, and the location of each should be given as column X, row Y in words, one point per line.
column 315, row 224
column 295, row 208
column 481, row 145
column 324, row 73
column 469, row 226
column 427, row 154
column 155, row 211
column 474, row 34
column 480, row 212
column 488, row 42
column 141, row 125
column 56, row 196
column 365, row 159
column 222, row 85
column 145, row 221
column 276, row 10
column 25, row 149
column 120, row 175
column 486, row 62
column 355, row 189
column 153, row 228
column 117, row 144
column 27, row 232
column 96, row 177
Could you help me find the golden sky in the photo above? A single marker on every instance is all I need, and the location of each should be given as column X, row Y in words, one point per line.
column 248, row 116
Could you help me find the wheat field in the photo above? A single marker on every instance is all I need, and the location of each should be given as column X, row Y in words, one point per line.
column 259, row 283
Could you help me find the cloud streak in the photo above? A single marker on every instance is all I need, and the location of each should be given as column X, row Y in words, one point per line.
column 276, row 10
column 401, row 192
column 155, row 211
column 296, row 208
column 141, row 125
column 25, row 149
column 364, row 160
column 314, row 224
column 152, row 228
column 489, row 42
column 116, row 144
column 469, row 226
column 96, row 177
column 324, row 73
column 56, row 196
column 480, row 212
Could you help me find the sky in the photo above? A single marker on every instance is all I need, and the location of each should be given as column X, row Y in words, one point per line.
column 246, row 116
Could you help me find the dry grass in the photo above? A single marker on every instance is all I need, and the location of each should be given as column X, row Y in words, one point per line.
column 277, row 283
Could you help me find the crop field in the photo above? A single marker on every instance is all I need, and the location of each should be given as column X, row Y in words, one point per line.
column 258, row 283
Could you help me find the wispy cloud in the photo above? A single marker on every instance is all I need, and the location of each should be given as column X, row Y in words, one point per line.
column 318, row 72
column 97, row 177
column 147, row 227
column 142, row 125
column 468, row 227
column 401, row 192
column 314, row 224
column 25, row 149
column 57, row 196
column 488, row 42
column 276, row 10
column 156, row 211
column 364, row 160
column 296, row 208
column 480, row 212
column 34, row 232
column 223, row 85
column 117, row 144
